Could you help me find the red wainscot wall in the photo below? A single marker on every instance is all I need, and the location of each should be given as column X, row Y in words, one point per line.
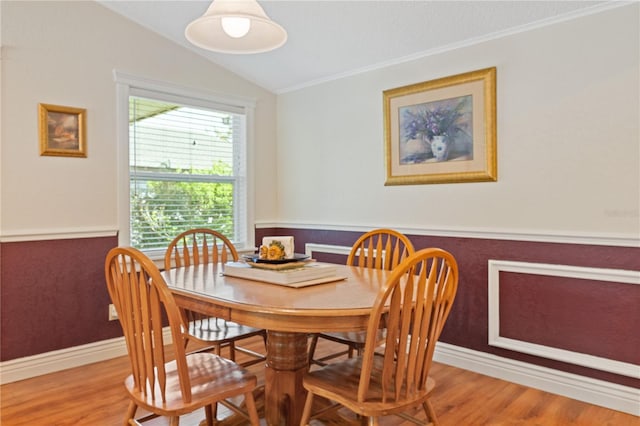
column 583, row 316
column 53, row 295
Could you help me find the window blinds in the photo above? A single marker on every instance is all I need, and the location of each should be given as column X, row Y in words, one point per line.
column 187, row 168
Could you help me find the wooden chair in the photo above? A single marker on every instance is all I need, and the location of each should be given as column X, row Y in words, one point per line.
column 157, row 384
column 202, row 246
column 376, row 249
column 394, row 378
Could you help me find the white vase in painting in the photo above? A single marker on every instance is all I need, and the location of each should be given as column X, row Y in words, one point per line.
column 415, row 151
column 440, row 147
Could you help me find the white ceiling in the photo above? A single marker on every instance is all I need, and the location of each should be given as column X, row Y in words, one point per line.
column 330, row 39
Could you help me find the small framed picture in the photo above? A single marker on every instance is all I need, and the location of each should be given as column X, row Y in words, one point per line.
column 62, row 131
column 442, row 131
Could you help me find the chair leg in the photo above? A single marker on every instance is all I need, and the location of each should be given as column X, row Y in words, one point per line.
column 350, row 354
column 431, row 414
column 174, row 421
column 214, row 412
column 369, row 421
column 250, row 403
column 208, row 412
column 232, row 351
column 131, row 413
column 312, row 349
column 306, row 411
column 186, row 343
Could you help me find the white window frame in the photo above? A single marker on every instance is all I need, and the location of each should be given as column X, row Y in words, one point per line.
column 128, row 85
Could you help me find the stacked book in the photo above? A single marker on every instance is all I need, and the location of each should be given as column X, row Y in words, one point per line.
column 303, row 273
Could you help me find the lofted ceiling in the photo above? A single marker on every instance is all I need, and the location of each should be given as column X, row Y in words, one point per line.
column 329, row 39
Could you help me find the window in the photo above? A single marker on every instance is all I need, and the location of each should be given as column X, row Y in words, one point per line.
column 185, row 167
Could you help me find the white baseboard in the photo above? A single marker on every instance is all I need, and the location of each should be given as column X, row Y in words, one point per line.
column 51, row 362
column 592, row 391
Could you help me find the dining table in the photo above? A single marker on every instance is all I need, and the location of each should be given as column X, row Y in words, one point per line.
column 288, row 314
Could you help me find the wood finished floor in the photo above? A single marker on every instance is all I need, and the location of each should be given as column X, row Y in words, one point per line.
column 93, row 395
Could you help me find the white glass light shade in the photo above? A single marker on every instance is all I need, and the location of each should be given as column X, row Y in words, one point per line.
column 235, row 27
column 208, row 33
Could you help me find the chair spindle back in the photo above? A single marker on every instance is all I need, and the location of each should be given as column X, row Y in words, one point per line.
column 414, row 306
column 200, row 245
column 141, row 296
column 380, row 249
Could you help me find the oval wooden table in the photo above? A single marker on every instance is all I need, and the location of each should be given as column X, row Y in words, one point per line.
column 288, row 314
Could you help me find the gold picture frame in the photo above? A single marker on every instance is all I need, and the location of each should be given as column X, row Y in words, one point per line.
column 442, row 131
column 62, row 131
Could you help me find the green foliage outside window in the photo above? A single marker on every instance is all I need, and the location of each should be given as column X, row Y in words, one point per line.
column 161, row 209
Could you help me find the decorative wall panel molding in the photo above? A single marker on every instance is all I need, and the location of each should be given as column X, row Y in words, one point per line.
column 496, row 267
column 311, row 248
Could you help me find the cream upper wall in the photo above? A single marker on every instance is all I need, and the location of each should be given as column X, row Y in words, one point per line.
column 568, row 139
column 562, row 90
column 64, row 53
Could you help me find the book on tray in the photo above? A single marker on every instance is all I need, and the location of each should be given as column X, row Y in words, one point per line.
column 307, row 272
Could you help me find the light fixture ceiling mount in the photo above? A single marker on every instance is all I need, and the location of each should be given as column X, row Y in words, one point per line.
column 235, row 26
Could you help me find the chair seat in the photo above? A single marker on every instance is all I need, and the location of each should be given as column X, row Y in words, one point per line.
column 220, row 331
column 179, row 384
column 212, row 378
column 393, row 378
column 216, row 333
column 339, row 382
column 377, row 249
column 356, row 339
column 202, row 246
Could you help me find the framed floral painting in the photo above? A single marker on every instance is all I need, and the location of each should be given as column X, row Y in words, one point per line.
column 62, row 131
column 442, row 131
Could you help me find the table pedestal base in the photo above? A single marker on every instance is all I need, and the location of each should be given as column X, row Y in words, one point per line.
column 286, row 364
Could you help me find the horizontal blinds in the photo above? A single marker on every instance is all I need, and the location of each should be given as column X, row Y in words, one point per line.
column 190, row 99
column 186, row 169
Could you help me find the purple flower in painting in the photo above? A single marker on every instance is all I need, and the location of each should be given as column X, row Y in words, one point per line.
column 432, row 121
column 413, row 125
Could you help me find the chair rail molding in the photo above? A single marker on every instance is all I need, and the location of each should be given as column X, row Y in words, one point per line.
column 616, row 240
column 56, row 234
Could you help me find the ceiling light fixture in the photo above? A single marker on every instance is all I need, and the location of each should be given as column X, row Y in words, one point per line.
column 235, row 26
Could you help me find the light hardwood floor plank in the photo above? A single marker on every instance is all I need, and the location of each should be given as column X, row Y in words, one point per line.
column 94, row 395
